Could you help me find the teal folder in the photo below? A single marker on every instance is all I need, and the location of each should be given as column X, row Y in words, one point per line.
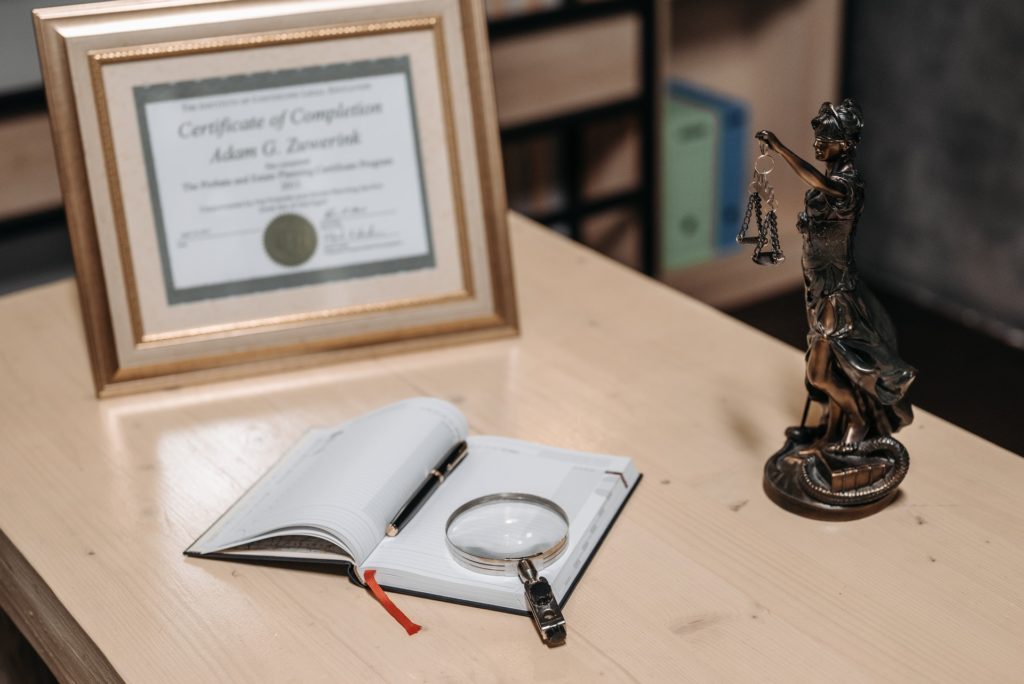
column 705, row 143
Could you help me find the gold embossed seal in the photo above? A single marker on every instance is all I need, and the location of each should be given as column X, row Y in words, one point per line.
column 290, row 240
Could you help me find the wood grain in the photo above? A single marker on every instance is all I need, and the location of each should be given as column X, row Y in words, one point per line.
column 561, row 70
column 68, row 651
column 702, row 578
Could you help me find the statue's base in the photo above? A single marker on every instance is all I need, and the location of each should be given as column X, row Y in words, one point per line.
column 782, row 474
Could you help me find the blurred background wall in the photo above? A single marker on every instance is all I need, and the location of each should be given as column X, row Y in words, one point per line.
column 942, row 88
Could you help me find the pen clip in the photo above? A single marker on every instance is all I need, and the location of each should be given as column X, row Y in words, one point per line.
column 434, row 479
column 461, row 450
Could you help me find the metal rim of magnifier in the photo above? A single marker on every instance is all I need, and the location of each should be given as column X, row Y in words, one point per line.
column 507, row 566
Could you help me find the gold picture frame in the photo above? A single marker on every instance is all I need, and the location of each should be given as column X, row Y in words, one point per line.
column 212, row 240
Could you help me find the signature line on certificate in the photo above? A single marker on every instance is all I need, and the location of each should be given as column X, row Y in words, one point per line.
column 209, row 236
column 377, row 245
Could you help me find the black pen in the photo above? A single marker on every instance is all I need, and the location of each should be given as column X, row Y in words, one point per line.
column 434, row 478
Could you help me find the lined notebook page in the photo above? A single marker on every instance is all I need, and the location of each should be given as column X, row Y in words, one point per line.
column 418, row 558
column 345, row 482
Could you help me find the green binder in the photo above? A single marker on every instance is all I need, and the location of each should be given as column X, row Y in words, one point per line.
column 688, row 197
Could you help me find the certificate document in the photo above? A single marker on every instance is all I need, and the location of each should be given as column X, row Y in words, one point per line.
column 285, row 178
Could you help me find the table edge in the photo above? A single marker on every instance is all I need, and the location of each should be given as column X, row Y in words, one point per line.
column 52, row 631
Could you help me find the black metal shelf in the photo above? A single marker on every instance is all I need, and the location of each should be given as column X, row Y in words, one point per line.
column 567, row 128
column 570, row 13
column 572, row 119
column 20, row 102
column 590, row 207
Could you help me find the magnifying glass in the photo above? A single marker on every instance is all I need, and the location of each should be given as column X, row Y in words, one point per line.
column 514, row 534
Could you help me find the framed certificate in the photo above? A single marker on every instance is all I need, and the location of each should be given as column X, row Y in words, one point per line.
column 258, row 185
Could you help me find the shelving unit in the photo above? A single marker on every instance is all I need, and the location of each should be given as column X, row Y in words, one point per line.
column 782, row 58
column 577, row 90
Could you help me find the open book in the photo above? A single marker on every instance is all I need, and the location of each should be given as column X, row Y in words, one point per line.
column 331, row 497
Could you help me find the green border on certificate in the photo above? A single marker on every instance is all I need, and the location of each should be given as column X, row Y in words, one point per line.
column 290, row 237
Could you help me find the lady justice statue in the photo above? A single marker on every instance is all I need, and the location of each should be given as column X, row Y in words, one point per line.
column 849, row 465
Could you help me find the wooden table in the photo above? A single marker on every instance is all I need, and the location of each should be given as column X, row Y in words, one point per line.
column 701, row 579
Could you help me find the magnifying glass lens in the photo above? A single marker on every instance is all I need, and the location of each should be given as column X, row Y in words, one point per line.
column 514, row 534
column 507, row 530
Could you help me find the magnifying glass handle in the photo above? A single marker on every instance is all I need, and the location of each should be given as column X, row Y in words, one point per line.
column 547, row 616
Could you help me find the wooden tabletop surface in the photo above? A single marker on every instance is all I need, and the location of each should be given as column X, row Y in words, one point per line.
column 702, row 578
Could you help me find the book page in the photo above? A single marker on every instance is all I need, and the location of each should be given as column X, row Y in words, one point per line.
column 588, row 487
column 344, row 484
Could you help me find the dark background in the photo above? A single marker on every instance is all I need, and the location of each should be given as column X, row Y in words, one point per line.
column 942, row 88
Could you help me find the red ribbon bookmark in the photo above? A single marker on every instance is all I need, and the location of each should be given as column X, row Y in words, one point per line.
column 371, row 581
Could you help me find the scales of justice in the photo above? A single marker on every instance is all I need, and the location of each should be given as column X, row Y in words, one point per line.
column 848, row 465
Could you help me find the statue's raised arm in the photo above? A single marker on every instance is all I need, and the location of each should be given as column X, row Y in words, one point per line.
column 808, row 173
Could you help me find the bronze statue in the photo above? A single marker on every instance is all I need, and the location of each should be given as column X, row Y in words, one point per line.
column 849, row 465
